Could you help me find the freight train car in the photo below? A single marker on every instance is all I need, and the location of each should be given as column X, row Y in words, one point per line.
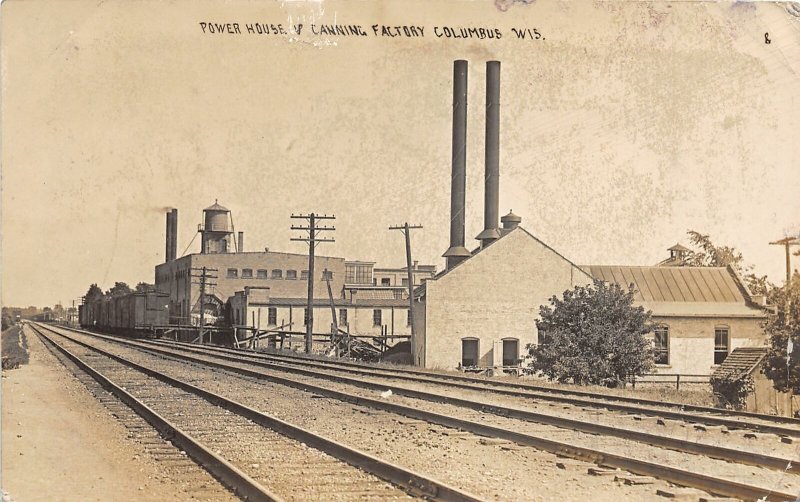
column 134, row 314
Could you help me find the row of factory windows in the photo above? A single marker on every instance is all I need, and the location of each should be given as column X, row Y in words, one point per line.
column 722, row 344
column 470, row 352
column 272, row 317
column 247, row 273
column 470, row 347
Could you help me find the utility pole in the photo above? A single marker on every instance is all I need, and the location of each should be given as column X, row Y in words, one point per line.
column 312, row 239
column 203, row 282
column 406, row 229
column 786, row 242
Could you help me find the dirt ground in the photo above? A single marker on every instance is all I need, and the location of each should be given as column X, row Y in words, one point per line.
column 60, row 443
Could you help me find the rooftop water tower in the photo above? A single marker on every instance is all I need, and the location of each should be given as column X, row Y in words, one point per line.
column 216, row 233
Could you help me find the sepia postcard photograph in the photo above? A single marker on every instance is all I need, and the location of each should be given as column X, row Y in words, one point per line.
column 384, row 250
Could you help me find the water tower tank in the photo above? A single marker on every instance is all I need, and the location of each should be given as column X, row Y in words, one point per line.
column 216, row 218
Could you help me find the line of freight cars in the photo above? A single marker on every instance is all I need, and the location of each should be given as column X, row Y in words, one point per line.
column 134, row 314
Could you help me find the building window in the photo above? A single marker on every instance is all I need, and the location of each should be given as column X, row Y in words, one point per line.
column 542, row 337
column 469, row 352
column 277, row 274
column 343, row 317
column 262, row 274
column 233, row 273
column 247, row 273
column 385, row 281
column 510, row 352
column 661, row 345
column 272, row 316
column 404, row 281
column 304, row 275
column 721, row 344
column 291, row 275
column 377, row 317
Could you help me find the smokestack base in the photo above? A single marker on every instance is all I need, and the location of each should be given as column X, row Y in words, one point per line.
column 488, row 235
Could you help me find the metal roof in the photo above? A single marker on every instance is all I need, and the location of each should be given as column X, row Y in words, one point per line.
column 674, row 284
column 216, row 207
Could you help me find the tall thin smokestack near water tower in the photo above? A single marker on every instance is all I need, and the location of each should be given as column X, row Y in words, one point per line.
column 174, row 235
column 240, row 247
column 457, row 252
column 491, row 208
column 168, row 240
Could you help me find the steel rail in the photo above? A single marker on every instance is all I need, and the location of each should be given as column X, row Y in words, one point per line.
column 413, row 482
column 678, row 476
column 713, row 451
column 675, row 415
column 525, row 386
column 235, row 479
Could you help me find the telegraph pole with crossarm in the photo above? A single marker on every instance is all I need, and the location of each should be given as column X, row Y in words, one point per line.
column 406, row 229
column 312, row 229
column 204, row 281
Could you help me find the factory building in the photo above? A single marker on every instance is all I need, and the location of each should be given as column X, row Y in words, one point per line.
column 701, row 314
column 268, row 290
column 232, row 269
column 362, row 306
column 481, row 311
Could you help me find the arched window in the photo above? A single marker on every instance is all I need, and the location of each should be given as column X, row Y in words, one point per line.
column 510, row 351
column 661, row 344
column 470, row 348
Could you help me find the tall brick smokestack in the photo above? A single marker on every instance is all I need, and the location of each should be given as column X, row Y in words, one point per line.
column 491, row 208
column 457, row 252
column 240, row 247
column 168, row 240
column 174, row 234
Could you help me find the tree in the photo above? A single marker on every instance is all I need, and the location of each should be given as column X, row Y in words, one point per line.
column 706, row 254
column 93, row 293
column 144, row 287
column 782, row 364
column 119, row 289
column 594, row 335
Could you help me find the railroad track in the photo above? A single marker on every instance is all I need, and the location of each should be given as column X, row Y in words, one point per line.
column 733, row 419
column 729, row 487
column 256, row 455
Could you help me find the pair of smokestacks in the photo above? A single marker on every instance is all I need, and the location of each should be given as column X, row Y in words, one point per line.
column 172, row 235
column 491, row 211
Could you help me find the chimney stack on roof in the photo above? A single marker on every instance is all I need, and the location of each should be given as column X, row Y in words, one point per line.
column 172, row 235
column 491, row 208
column 457, row 252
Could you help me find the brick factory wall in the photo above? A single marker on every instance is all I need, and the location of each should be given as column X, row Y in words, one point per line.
column 494, row 295
column 174, row 277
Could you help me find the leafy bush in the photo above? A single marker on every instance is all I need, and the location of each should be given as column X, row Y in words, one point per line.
column 594, row 335
column 731, row 391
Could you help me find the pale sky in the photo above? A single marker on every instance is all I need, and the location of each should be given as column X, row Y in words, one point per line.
column 626, row 125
